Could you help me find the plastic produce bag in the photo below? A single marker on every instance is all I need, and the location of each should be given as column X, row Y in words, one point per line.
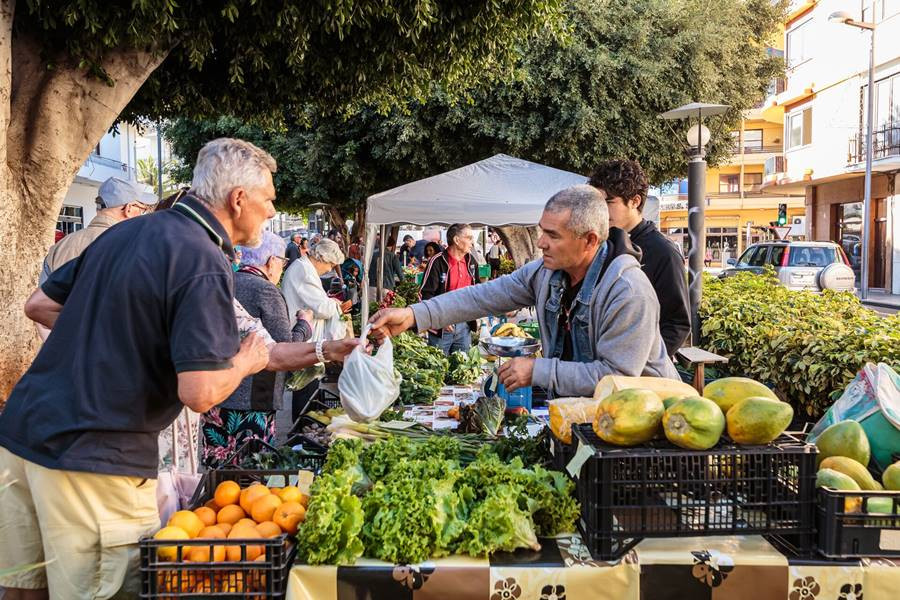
column 873, row 400
column 369, row 384
column 565, row 412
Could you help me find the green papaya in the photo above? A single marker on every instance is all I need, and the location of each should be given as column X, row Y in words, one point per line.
column 728, row 391
column 628, row 417
column 693, row 423
column 891, row 477
column 882, row 506
column 829, row 478
column 668, row 402
column 758, row 420
column 853, row 469
column 845, row 438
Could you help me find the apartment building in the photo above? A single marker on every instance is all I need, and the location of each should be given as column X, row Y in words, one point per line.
column 825, row 108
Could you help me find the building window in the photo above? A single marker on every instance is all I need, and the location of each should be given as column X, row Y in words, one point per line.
column 882, row 9
column 753, row 140
column 798, row 44
column 752, row 181
column 71, row 219
column 798, row 128
column 729, row 184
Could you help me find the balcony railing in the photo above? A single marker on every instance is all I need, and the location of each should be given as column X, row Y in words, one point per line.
column 757, row 149
column 886, row 142
column 773, row 166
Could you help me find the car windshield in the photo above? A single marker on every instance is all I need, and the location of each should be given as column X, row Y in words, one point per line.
column 811, row 256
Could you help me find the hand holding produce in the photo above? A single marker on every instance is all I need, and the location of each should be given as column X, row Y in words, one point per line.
column 390, row 322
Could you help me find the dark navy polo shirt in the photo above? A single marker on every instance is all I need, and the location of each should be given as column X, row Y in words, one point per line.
column 150, row 298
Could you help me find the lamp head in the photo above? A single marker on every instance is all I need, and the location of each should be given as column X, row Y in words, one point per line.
column 698, row 131
column 841, row 16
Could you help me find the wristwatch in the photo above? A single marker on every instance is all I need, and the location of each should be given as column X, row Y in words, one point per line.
column 319, row 354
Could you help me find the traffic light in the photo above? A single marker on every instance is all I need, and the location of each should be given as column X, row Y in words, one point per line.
column 782, row 214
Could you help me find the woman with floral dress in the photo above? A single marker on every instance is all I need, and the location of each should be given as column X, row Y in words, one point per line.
column 250, row 411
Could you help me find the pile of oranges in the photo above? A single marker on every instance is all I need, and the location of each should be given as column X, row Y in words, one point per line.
column 254, row 512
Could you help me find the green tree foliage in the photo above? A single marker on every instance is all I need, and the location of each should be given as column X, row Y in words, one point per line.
column 252, row 58
column 572, row 101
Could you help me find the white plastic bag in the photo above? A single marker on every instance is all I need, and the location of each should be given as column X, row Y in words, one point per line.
column 368, row 384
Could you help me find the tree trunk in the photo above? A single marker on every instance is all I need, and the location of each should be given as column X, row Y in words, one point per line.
column 359, row 221
column 521, row 242
column 49, row 122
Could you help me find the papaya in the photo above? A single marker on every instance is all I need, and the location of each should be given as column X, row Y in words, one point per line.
column 845, row 438
column 668, row 402
column 728, row 391
column 882, row 506
column 758, row 420
column 628, row 417
column 829, row 478
column 854, row 470
column 693, row 423
column 891, row 477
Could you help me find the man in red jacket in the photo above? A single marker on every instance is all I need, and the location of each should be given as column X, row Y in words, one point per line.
column 452, row 269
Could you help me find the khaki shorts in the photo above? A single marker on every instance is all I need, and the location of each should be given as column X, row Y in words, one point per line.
column 87, row 524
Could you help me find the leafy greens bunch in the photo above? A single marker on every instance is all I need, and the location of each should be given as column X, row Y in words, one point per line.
column 423, row 369
column 421, row 503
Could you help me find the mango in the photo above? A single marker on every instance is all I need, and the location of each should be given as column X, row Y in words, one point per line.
column 891, row 477
column 628, row 417
column 693, row 423
column 854, row 470
column 845, row 438
column 758, row 420
column 728, row 391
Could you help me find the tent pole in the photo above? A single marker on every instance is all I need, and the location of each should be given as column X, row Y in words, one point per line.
column 380, row 276
column 367, row 261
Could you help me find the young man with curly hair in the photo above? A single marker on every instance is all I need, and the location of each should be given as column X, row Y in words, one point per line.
column 625, row 186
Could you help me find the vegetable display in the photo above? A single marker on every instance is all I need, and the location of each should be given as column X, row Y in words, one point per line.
column 423, row 368
column 405, row 501
column 484, row 416
column 465, row 367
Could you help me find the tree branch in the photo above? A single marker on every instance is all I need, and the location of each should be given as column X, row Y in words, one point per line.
column 61, row 113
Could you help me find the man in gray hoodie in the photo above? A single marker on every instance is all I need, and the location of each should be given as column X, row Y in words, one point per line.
column 598, row 312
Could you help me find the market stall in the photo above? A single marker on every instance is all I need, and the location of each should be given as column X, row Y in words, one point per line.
column 500, row 190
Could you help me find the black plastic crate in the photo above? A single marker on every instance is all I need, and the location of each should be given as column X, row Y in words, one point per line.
column 313, row 462
column 329, row 399
column 242, row 578
column 846, row 529
column 303, row 420
column 561, row 453
column 660, row 490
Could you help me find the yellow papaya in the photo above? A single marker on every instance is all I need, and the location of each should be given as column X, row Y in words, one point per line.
column 728, row 391
column 852, row 469
column 758, row 420
column 628, row 417
column 693, row 423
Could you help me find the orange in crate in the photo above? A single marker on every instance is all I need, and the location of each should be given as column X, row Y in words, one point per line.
column 206, row 514
column 227, row 492
column 252, row 494
column 264, row 508
column 288, row 516
column 230, row 514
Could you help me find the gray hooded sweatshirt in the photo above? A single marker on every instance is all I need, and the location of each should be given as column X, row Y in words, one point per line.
column 620, row 320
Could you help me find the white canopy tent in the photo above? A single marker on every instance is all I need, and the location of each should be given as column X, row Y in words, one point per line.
column 500, row 190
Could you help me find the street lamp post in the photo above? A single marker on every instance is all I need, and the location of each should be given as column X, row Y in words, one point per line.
column 697, row 137
column 845, row 18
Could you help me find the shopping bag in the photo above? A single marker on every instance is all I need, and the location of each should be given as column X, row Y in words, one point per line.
column 369, row 383
column 174, row 487
column 873, row 400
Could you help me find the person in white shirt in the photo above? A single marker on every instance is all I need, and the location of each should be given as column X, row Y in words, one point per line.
column 302, row 289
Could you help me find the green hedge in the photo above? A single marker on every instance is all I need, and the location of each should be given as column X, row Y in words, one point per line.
column 807, row 346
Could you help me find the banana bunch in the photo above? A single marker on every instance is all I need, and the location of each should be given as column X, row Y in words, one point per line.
column 511, row 330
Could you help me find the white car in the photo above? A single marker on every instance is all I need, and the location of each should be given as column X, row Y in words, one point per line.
column 813, row 266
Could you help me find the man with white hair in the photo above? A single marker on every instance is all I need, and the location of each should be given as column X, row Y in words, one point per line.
column 142, row 324
column 598, row 312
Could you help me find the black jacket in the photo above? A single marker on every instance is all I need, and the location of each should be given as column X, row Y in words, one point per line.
column 393, row 270
column 663, row 264
column 435, row 280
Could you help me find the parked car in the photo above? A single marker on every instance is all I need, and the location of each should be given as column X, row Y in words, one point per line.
column 799, row 265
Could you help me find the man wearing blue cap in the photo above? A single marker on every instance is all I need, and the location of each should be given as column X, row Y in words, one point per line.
column 117, row 200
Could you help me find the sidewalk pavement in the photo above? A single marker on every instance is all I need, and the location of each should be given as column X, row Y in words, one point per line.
column 882, row 301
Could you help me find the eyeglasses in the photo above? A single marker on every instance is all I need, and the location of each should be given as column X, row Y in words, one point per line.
column 283, row 259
